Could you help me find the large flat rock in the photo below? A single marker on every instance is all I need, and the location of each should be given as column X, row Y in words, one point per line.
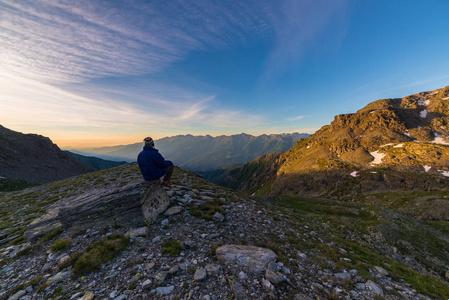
column 252, row 258
column 121, row 204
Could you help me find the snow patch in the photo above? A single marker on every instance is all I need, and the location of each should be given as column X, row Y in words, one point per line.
column 407, row 134
column 308, row 147
column 354, row 173
column 373, row 172
column 386, row 145
column 427, row 168
column 378, row 156
column 399, row 145
column 445, row 98
column 427, row 102
column 444, row 173
column 439, row 140
column 423, row 114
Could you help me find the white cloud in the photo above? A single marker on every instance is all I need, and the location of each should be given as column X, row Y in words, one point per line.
column 31, row 106
column 295, row 118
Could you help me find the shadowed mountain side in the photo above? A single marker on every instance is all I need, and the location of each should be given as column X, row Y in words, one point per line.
column 34, row 158
column 95, row 163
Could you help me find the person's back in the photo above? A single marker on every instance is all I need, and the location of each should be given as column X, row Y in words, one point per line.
column 152, row 165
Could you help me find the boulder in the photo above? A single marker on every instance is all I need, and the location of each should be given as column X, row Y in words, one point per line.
column 200, row 274
column 154, row 202
column 174, row 210
column 254, row 259
column 163, row 290
column 374, row 287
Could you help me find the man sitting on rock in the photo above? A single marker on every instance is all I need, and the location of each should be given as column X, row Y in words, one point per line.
column 152, row 165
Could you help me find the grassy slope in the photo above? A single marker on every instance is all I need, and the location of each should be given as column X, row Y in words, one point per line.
column 354, row 226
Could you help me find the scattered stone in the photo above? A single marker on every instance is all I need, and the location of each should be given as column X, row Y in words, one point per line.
column 274, row 277
column 212, row 269
column 381, row 271
column 63, row 261
column 218, row 217
column 200, row 274
column 174, row 210
column 113, row 294
column 146, row 284
column 242, row 276
column 149, row 266
column 160, row 277
column 76, row 296
column 254, row 259
column 360, row 286
column 29, row 289
column 164, row 222
column 136, row 232
column 88, row 296
column 156, row 239
column 342, row 276
column 58, row 277
column 17, row 295
column 173, row 270
column 266, row 284
column 163, row 290
column 374, row 288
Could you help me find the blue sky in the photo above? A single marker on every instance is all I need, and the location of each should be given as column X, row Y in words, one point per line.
column 92, row 73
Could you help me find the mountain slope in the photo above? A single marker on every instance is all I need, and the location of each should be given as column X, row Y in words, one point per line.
column 95, row 163
column 388, row 144
column 203, row 153
column 34, row 158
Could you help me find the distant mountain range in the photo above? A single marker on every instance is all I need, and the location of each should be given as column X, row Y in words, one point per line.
column 204, row 153
column 32, row 158
column 388, row 144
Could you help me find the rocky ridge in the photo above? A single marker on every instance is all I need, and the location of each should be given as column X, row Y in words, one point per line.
column 209, row 244
column 389, row 144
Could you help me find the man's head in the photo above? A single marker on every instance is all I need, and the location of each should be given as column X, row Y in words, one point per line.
column 148, row 141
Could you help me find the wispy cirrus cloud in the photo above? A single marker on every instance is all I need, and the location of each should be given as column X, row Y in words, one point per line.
column 76, row 40
column 53, row 51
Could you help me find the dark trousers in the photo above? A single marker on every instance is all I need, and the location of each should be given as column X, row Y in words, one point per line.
column 168, row 173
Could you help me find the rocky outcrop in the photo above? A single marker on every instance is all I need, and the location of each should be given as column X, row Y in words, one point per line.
column 131, row 205
column 389, row 144
column 154, row 202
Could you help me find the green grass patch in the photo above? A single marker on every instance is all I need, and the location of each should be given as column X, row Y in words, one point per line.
column 98, row 253
column 51, row 234
column 9, row 185
column 171, row 247
column 426, row 284
column 206, row 210
column 60, row 244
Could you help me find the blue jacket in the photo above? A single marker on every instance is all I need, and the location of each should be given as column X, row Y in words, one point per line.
column 151, row 164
